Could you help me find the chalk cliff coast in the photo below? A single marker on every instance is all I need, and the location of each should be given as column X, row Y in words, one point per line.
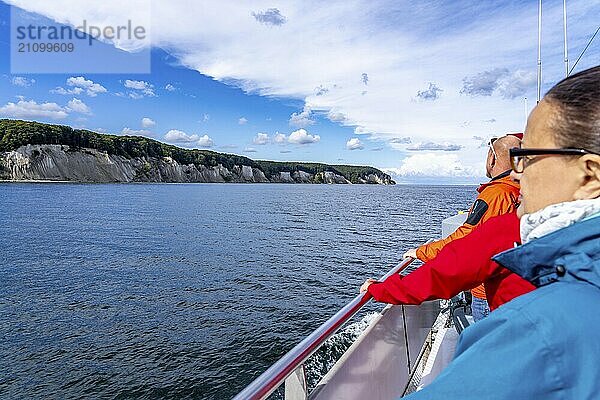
column 34, row 151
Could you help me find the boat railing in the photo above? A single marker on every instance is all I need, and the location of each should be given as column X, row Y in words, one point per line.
column 291, row 365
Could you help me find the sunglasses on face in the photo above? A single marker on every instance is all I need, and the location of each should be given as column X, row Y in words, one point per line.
column 519, row 158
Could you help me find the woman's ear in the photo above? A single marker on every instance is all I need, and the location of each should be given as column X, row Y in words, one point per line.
column 589, row 166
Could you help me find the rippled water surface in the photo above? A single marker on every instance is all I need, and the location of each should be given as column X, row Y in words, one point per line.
column 186, row 291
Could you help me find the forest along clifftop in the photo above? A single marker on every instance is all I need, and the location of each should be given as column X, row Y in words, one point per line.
column 37, row 151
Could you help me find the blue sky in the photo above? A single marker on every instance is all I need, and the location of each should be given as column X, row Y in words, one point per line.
column 414, row 88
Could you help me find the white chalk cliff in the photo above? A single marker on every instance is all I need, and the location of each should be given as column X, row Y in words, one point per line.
column 63, row 163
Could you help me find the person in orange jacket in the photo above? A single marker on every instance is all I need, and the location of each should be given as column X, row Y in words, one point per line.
column 498, row 196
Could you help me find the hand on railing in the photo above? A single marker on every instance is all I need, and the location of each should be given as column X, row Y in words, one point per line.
column 365, row 286
column 412, row 253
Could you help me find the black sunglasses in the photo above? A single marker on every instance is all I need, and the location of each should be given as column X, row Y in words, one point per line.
column 518, row 155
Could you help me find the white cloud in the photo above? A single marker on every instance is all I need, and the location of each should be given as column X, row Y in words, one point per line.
column 517, row 84
column 399, row 143
column 91, row 88
column 279, row 138
column 302, row 137
column 428, row 146
column 360, row 130
column 136, row 132
column 140, row 89
column 242, row 121
column 31, row 109
column 335, row 116
column 302, row 119
column 508, row 84
column 137, row 85
column 178, row 136
column 148, row 122
column 435, row 165
column 261, row 139
column 79, row 85
column 205, row 141
column 170, row 87
column 250, row 150
column 78, row 106
column 22, row 81
column 354, row 144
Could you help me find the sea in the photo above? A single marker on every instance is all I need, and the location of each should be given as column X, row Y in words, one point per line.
column 189, row 291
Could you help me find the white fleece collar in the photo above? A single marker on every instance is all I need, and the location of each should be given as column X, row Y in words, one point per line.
column 555, row 217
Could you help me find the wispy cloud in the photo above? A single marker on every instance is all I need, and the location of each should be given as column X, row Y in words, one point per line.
column 365, row 78
column 321, row 90
column 271, row 16
column 431, row 93
column 302, row 119
column 429, row 146
column 139, row 89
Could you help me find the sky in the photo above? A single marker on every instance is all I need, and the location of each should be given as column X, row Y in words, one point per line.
column 415, row 88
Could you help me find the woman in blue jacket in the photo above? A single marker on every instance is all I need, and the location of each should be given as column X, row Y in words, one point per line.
column 545, row 344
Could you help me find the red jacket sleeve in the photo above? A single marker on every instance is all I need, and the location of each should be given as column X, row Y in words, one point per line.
column 461, row 265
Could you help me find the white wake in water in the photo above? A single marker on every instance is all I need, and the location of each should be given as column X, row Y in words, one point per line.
column 333, row 348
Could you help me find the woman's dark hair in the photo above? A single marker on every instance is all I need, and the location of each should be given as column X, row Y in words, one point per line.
column 577, row 120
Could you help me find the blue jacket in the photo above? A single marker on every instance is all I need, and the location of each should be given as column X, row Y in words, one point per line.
column 544, row 344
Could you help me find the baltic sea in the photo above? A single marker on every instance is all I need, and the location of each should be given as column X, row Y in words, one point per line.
column 187, row 290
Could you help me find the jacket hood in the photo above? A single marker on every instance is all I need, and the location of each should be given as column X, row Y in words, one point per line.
column 502, row 179
column 571, row 253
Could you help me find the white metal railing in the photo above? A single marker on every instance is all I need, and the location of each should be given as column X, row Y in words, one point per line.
column 294, row 360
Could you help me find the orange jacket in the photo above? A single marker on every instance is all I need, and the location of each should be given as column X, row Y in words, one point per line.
column 498, row 196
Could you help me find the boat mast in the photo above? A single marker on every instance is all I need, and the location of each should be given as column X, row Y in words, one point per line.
column 539, row 61
column 565, row 35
